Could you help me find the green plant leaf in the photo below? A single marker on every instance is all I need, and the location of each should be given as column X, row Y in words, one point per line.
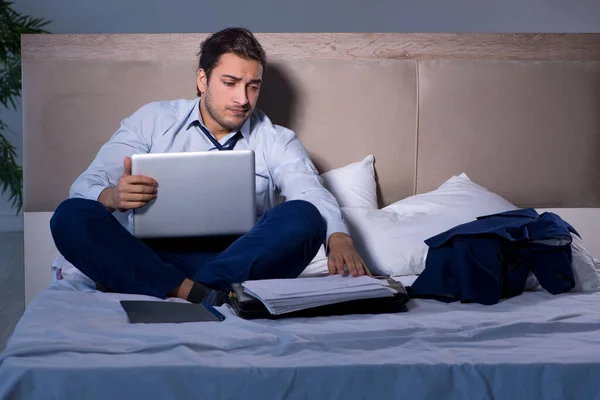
column 12, row 26
column 11, row 174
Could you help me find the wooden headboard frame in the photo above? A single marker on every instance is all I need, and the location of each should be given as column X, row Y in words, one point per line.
column 518, row 112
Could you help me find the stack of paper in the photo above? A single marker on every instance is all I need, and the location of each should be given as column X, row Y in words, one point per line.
column 281, row 296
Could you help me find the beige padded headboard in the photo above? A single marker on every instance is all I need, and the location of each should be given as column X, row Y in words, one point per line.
column 520, row 114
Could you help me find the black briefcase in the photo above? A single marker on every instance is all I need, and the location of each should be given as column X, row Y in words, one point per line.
column 249, row 307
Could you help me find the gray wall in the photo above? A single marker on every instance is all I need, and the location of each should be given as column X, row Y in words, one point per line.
column 124, row 16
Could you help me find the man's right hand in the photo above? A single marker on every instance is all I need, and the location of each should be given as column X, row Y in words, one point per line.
column 132, row 191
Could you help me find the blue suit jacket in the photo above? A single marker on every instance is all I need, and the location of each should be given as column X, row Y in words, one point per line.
column 490, row 258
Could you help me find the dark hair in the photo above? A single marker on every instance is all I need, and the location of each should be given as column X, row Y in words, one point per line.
column 239, row 41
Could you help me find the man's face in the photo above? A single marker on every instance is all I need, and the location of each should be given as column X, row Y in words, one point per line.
column 231, row 94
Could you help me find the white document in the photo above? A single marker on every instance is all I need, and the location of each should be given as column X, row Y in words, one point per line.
column 281, row 296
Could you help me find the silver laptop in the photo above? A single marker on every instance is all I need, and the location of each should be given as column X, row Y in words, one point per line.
column 209, row 193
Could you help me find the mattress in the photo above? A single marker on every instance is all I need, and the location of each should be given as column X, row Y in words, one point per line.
column 75, row 342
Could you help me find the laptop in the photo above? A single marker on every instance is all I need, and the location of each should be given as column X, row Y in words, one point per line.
column 209, row 193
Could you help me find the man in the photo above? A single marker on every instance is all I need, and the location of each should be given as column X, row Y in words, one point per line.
column 280, row 245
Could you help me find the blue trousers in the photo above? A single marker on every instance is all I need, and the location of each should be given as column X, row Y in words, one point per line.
column 281, row 244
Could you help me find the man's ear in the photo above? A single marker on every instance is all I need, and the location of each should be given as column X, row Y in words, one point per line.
column 201, row 80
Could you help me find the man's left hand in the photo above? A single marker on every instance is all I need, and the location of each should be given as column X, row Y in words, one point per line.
column 342, row 253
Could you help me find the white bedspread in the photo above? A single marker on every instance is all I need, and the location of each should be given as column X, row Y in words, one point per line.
column 74, row 342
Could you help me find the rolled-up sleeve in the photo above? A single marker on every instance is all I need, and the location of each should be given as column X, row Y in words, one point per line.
column 297, row 178
column 107, row 167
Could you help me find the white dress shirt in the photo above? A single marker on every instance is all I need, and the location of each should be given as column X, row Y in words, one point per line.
column 284, row 170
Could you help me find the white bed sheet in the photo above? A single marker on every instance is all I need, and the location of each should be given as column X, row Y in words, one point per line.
column 74, row 342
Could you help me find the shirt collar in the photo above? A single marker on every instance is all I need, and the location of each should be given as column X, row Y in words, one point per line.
column 194, row 117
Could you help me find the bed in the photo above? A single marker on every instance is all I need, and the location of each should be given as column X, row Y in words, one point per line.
column 519, row 114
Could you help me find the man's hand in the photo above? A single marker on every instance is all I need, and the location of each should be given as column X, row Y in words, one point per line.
column 342, row 252
column 132, row 191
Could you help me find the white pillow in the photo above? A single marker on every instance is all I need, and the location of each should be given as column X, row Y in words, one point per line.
column 385, row 243
column 354, row 184
column 457, row 199
column 63, row 269
column 318, row 266
column 392, row 240
column 587, row 278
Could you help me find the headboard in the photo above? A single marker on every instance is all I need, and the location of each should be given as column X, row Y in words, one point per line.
column 519, row 113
